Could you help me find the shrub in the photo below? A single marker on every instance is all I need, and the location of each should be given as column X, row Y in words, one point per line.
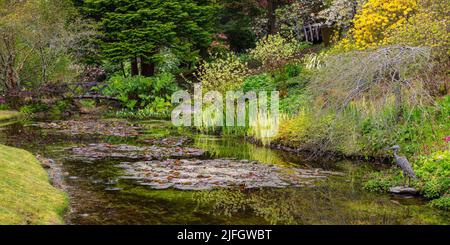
column 441, row 203
column 261, row 82
column 375, row 19
column 382, row 181
column 274, row 48
column 138, row 92
column 434, row 170
column 222, row 74
column 428, row 27
column 294, row 101
column 4, row 107
column 377, row 185
column 33, row 108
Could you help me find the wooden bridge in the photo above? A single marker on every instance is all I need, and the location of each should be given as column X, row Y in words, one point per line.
column 312, row 32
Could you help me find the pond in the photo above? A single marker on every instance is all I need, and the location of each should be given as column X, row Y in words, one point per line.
column 148, row 172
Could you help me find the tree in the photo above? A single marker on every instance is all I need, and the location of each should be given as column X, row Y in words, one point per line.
column 285, row 16
column 136, row 30
column 341, row 13
column 235, row 21
column 34, row 41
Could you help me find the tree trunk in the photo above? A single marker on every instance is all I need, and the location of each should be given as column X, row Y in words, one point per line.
column 134, row 67
column 10, row 77
column 147, row 68
column 123, row 69
column 272, row 5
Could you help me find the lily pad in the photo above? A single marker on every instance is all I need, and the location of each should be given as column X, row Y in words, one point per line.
column 97, row 127
column 195, row 174
column 93, row 152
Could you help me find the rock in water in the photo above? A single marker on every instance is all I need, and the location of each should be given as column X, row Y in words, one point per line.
column 94, row 152
column 198, row 174
column 402, row 190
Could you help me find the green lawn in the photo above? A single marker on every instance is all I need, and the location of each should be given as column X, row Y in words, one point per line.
column 26, row 196
column 5, row 115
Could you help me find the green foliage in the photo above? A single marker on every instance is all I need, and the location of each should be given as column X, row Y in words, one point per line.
column 140, row 92
column 382, row 181
column 222, row 74
column 275, row 48
column 33, row 108
column 261, row 82
column 135, row 28
column 4, row 107
column 159, row 108
column 294, row 101
column 235, row 19
column 36, row 39
column 293, row 70
column 441, row 203
column 434, row 170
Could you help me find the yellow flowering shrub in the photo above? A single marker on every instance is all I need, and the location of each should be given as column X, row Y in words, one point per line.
column 374, row 20
column 273, row 48
column 428, row 27
column 222, row 74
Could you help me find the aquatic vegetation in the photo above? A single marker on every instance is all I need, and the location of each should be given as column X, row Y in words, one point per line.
column 100, row 127
column 122, row 151
column 195, row 174
column 441, row 203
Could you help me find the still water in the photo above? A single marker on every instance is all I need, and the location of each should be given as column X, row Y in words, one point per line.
column 99, row 196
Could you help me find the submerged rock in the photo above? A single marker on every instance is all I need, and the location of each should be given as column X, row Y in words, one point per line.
column 113, row 189
column 101, row 151
column 97, row 127
column 402, row 190
column 194, row 174
column 169, row 141
column 54, row 171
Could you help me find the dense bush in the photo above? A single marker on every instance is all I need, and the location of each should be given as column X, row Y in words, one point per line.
column 275, row 48
column 222, row 74
column 383, row 181
column 441, row 203
column 434, row 170
column 141, row 92
column 375, row 19
column 261, row 82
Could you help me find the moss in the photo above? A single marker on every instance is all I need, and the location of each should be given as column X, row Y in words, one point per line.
column 441, row 203
column 168, row 195
column 7, row 115
column 26, row 196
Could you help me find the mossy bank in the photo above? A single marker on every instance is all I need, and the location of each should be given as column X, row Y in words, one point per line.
column 26, row 195
column 8, row 115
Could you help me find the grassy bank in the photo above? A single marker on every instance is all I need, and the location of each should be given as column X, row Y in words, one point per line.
column 7, row 115
column 26, row 196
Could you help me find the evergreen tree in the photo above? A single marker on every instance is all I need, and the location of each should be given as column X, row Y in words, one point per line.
column 135, row 30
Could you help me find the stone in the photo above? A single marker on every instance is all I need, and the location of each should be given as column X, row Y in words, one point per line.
column 94, row 152
column 199, row 174
column 97, row 127
column 403, row 190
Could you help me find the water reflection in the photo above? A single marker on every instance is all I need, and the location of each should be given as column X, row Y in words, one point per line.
column 339, row 200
